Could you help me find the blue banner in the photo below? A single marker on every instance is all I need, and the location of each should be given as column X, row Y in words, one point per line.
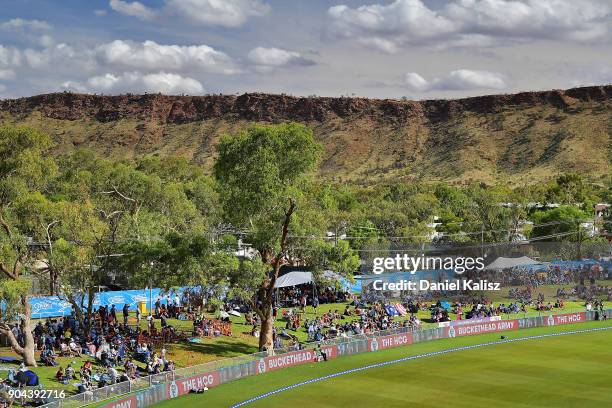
column 54, row 306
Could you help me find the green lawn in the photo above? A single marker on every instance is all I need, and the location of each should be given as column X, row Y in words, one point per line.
column 566, row 371
column 243, row 343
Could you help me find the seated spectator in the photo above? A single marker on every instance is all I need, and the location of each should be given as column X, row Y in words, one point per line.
column 69, row 373
column 47, row 357
column 59, row 375
column 113, row 374
column 65, row 350
column 85, row 371
column 74, row 348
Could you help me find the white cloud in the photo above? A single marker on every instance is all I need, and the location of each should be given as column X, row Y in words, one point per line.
column 7, row 74
column 166, row 83
column 266, row 59
column 100, row 13
column 465, row 79
column 576, row 20
column 459, row 80
column 380, row 44
column 134, row 9
column 33, row 31
column 464, row 23
column 410, row 15
column 22, row 24
column 416, row 82
column 119, row 66
column 395, row 22
column 226, row 13
column 74, row 86
column 118, row 56
column 46, row 40
column 55, row 57
column 10, row 56
column 149, row 55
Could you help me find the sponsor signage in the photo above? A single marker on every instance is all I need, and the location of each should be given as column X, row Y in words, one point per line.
column 569, row 318
column 184, row 385
column 481, row 328
column 272, row 363
column 52, row 306
column 129, row 402
column 396, row 340
column 469, row 321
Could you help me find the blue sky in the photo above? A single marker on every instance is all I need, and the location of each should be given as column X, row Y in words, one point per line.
column 414, row 48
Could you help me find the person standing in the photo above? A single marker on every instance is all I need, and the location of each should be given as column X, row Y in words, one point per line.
column 315, row 303
column 126, row 313
column 320, row 353
column 113, row 313
column 303, row 302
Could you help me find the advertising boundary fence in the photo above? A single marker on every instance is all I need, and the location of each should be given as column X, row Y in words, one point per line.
column 403, row 359
column 148, row 391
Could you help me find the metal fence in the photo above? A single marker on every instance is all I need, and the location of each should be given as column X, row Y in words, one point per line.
column 152, row 389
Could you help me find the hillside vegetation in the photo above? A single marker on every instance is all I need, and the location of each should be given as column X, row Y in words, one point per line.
column 521, row 138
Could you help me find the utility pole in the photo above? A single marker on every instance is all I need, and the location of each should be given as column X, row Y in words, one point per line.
column 482, row 240
column 579, row 241
column 150, row 297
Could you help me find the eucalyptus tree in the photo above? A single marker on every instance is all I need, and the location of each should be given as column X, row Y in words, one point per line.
column 262, row 175
column 25, row 171
column 122, row 206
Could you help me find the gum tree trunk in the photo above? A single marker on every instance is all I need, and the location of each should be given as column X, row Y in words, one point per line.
column 27, row 350
column 267, row 328
column 265, row 294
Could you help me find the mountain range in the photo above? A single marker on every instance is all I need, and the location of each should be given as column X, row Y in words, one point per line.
column 519, row 138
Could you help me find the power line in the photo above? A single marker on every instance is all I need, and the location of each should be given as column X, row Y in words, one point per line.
column 516, row 229
column 495, row 244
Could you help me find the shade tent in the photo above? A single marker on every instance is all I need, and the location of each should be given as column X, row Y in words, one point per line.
column 293, row 279
column 296, row 278
column 508, row 263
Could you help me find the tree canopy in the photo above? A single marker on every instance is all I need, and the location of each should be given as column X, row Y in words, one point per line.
column 166, row 221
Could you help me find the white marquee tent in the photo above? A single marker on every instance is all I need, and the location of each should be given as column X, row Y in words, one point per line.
column 507, row 263
column 299, row 278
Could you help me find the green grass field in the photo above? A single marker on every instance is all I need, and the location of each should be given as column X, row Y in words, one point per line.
column 566, row 371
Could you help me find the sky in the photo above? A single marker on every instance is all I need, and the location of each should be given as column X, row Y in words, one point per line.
column 418, row 49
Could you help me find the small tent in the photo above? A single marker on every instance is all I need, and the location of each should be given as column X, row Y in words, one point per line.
column 508, row 263
column 296, row 278
column 293, row 279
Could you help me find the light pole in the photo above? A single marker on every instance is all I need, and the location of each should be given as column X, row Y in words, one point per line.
column 150, row 293
column 150, row 298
